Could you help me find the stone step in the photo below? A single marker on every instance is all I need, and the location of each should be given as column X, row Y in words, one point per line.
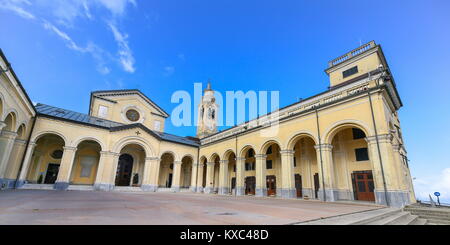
column 127, row 189
column 376, row 217
column 37, row 187
column 433, row 216
column 419, row 221
column 80, row 188
column 437, row 214
column 357, row 218
column 438, row 221
column 401, row 218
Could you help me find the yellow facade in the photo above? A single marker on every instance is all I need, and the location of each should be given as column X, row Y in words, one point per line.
column 342, row 144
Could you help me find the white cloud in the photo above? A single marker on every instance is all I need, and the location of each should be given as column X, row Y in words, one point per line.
column 126, row 58
column 64, row 13
column 116, row 7
column 16, row 6
column 428, row 185
column 96, row 52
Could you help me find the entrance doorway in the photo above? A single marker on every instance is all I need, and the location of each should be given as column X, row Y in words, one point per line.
column 298, row 185
column 52, row 173
column 363, row 186
column 250, row 185
column 316, row 185
column 169, row 181
column 271, row 181
column 124, row 169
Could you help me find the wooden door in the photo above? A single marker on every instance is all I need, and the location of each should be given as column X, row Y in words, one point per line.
column 52, row 173
column 363, row 184
column 124, row 169
column 250, row 185
column 316, row 185
column 298, row 185
column 271, row 185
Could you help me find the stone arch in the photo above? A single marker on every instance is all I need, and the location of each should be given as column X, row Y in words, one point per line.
column 268, row 143
column 336, row 127
column 244, row 150
column 213, row 157
column 21, row 132
column 86, row 161
column 91, row 138
column 188, row 155
column 134, row 140
column 227, row 154
column 174, row 155
column 43, row 133
column 10, row 120
column 203, row 159
column 292, row 140
column 47, row 153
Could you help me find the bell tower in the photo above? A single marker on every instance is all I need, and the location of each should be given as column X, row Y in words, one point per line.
column 207, row 113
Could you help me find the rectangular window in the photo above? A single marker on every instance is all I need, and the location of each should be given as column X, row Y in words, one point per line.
column 249, row 166
column 86, row 166
column 157, row 125
column 268, row 164
column 350, row 72
column 102, row 111
column 361, row 154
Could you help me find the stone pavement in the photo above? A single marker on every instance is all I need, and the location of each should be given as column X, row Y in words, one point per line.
column 127, row 208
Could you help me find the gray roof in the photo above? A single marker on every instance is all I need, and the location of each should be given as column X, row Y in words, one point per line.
column 76, row 117
column 56, row 112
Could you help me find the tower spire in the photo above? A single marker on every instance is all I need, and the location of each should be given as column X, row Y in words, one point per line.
column 208, row 87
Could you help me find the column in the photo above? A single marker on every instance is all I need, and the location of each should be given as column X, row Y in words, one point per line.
column 287, row 174
column 224, row 189
column 395, row 197
column 65, row 168
column 151, row 174
column 194, row 175
column 240, row 176
column 2, row 125
column 200, row 170
column 105, row 168
column 14, row 163
column 176, row 179
column 261, row 185
column 326, row 173
column 7, row 139
column 26, row 164
column 209, row 177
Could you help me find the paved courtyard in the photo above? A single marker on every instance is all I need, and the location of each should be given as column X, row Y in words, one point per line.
column 88, row 207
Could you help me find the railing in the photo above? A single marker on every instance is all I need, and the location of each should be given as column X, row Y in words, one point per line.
column 352, row 53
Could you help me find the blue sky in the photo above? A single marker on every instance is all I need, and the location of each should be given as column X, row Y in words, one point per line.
column 63, row 50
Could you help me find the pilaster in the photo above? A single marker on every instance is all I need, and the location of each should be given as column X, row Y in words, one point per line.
column 176, row 176
column 65, row 168
column 209, row 188
column 103, row 180
column 240, row 175
column 224, row 189
column 287, row 174
column 327, row 191
column 7, row 137
column 261, row 186
column 151, row 174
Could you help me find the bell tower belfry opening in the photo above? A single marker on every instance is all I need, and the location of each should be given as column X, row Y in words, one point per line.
column 207, row 113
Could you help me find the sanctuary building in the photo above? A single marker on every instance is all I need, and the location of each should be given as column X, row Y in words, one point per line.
column 342, row 144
